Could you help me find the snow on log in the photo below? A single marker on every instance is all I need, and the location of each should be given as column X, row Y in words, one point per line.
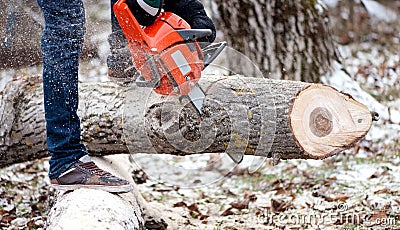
column 80, row 208
column 91, row 209
column 241, row 115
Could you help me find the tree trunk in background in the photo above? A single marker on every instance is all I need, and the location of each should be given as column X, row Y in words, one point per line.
column 286, row 39
column 21, row 26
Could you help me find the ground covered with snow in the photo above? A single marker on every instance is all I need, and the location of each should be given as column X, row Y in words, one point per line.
column 357, row 189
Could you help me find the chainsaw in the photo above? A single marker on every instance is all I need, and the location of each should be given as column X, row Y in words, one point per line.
column 168, row 56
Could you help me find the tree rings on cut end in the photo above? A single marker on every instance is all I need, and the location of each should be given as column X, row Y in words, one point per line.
column 324, row 121
column 321, row 123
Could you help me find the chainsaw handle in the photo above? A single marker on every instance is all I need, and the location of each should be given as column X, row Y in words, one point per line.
column 131, row 27
column 194, row 34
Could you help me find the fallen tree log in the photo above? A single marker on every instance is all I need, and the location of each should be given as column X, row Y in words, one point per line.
column 242, row 115
column 80, row 208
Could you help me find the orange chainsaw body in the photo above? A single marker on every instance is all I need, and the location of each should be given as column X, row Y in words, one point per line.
column 160, row 53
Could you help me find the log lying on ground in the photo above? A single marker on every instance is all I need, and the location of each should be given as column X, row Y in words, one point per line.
column 241, row 115
column 80, row 208
column 73, row 210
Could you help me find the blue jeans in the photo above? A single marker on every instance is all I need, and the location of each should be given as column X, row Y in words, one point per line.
column 62, row 42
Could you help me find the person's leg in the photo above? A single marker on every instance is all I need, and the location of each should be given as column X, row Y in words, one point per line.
column 62, row 42
column 119, row 61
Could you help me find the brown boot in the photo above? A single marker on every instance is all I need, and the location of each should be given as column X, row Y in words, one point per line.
column 88, row 175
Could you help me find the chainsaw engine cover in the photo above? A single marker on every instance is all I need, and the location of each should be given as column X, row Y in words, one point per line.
column 165, row 53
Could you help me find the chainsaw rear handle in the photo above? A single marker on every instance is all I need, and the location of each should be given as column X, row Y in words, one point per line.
column 166, row 53
column 147, row 37
column 128, row 22
column 194, row 34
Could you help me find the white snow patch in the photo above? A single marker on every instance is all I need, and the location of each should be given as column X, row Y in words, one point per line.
column 379, row 11
column 330, row 3
column 364, row 171
column 395, row 116
column 343, row 82
column 386, row 133
column 376, row 133
column 320, row 7
column 359, row 172
column 394, row 108
column 80, row 210
column 305, row 165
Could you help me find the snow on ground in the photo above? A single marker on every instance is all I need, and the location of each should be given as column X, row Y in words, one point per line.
column 379, row 11
column 374, row 8
column 331, row 3
column 357, row 189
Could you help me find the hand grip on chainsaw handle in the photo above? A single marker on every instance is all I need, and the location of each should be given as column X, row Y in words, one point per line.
column 128, row 22
column 145, row 11
column 194, row 34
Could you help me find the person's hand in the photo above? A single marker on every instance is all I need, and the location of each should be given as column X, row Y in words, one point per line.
column 194, row 13
column 145, row 11
column 204, row 22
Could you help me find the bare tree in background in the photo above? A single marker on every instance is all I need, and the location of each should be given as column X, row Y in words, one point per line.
column 21, row 26
column 286, row 39
column 20, row 30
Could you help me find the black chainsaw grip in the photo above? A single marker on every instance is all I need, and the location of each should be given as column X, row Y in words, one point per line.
column 144, row 18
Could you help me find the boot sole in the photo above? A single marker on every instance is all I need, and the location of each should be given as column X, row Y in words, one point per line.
column 111, row 189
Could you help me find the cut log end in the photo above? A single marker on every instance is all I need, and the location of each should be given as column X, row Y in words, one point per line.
column 325, row 122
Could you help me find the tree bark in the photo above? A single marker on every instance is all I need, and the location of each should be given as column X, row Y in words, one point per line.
column 98, row 209
column 242, row 115
column 286, row 39
column 81, row 208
